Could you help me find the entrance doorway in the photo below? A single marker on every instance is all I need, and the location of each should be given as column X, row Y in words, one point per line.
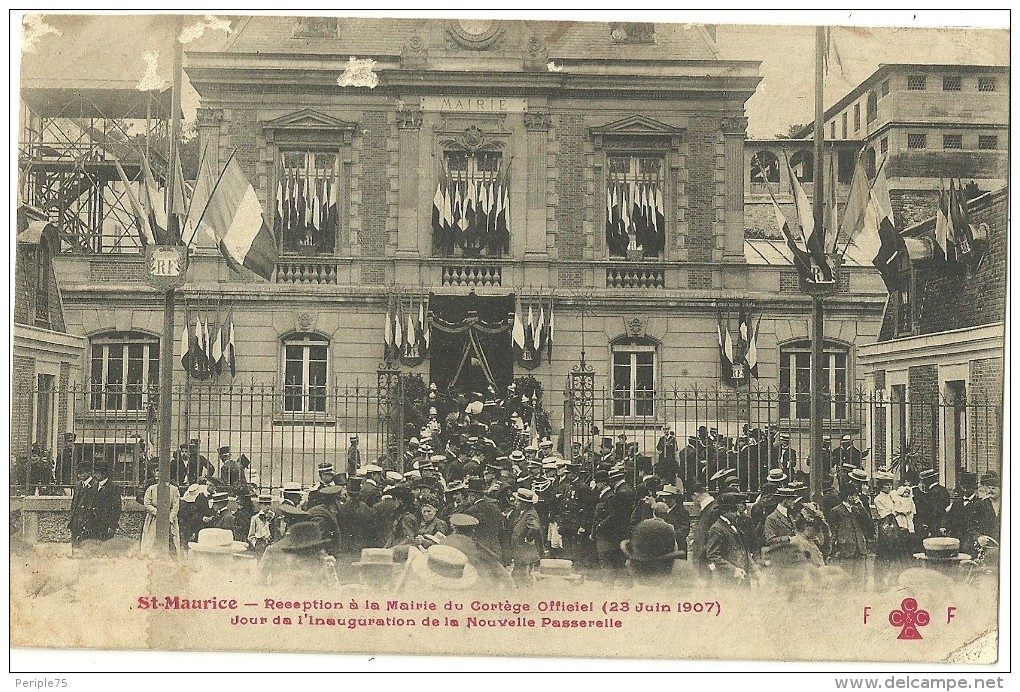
column 471, row 346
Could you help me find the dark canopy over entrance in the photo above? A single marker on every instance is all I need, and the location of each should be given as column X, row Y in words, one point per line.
column 471, row 342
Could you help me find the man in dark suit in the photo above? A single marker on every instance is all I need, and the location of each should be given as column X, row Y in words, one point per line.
column 969, row 517
column 81, row 505
column 847, row 453
column 102, row 521
column 931, row 500
column 726, row 549
column 852, row 529
column 490, row 533
column 709, row 512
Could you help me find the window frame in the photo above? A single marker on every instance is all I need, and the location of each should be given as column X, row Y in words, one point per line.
column 884, row 91
column 871, row 108
column 310, row 150
column 832, row 129
column 305, row 341
column 846, row 129
column 923, row 140
column 988, row 139
column 148, row 386
column 983, row 82
column 918, row 79
column 766, row 177
column 905, row 296
column 790, row 398
column 806, row 160
column 634, row 400
column 634, row 169
column 472, row 172
column 857, row 117
column 949, row 85
column 955, row 137
column 883, row 146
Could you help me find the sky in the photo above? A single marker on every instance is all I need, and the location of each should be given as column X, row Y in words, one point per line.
column 135, row 48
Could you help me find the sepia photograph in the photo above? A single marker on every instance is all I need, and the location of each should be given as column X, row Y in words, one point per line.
column 523, row 336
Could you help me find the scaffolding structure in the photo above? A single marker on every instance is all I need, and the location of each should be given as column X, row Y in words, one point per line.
column 69, row 142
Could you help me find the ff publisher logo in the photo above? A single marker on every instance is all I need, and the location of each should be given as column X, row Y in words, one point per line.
column 909, row 617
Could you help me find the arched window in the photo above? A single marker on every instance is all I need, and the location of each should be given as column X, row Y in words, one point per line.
column 870, row 161
column 795, row 380
column 872, row 106
column 634, row 374
column 124, row 367
column 802, row 163
column 305, row 373
column 764, row 167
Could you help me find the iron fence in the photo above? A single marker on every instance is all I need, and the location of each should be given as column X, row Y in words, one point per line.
column 286, row 432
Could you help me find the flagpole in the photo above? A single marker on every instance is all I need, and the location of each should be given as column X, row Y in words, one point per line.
column 817, row 300
column 166, row 352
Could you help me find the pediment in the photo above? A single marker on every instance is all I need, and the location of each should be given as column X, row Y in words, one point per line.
column 637, row 127
column 308, row 119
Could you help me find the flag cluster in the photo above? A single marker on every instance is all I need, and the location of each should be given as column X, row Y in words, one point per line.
column 153, row 224
column 868, row 224
column 811, row 247
column 743, row 354
column 472, row 212
column 206, row 350
column 955, row 235
column 532, row 339
column 635, row 218
column 307, row 205
column 406, row 333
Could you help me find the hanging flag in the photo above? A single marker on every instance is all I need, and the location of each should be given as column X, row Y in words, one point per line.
column 458, row 211
column 505, row 229
column 154, row 204
column 814, row 239
column 236, row 218
column 145, row 234
column 877, row 239
column 201, row 370
column 447, row 208
column 279, row 206
column 959, row 217
column 230, row 353
column 438, row 226
column 216, row 352
column 186, row 356
column 518, row 333
column 398, row 330
column 423, row 345
column 197, row 219
column 801, row 258
column 529, row 334
column 428, row 328
column 831, row 219
column 388, row 332
column 540, row 330
column 298, row 207
column 482, row 212
column 179, row 198
column 660, row 218
column 725, row 350
column 549, row 338
column 333, row 214
column 751, row 352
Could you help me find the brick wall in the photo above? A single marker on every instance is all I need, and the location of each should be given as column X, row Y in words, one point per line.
column 570, row 211
column 699, row 278
column 23, row 377
column 941, row 163
column 242, row 131
column 374, row 186
column 963, row 296
column 923, row 393
column 913, row 206
column 985, row 415
column 570, row 277
column 703, row 137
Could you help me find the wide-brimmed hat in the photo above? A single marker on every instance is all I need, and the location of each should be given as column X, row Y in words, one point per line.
column 786, row 492
column 928, row 474
column 217, row 541
column 941, row 549
column 731, row 500
column 325, row 467
column 265, row 499
column 721, row 474
column 526, row 495
column 370, row 468
column 858, row 475
column 463, row 520
column 376, row 557
column 846, row 438
column 883, row 477
column 291, row 510
column 305, row 535
column 331, row 490
column 652, row 540
column 456, row 486
column 445, row 567
column 776, row 476
column 394, row 476
column 545, row 444
column 556, row 569
column 668, row 491
column 516, row 455
column 292, row 487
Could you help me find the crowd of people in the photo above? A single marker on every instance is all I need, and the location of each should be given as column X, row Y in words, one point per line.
column 476, row 496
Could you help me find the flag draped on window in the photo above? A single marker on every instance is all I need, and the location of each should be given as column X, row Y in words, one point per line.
column 216, row 352
column 186, row 355
column 388, row 332
column 470, row 209
column 635, row 218
column 518, row 333
column 725, row 350
column 230, row 350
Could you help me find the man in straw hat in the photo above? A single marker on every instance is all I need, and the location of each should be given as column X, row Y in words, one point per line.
column 779, row 524
column 931, row 500
column 729, row 557
column 301, row 558
column 491, row 532
column 377, row 569
column 440, row 568
column 260, row 527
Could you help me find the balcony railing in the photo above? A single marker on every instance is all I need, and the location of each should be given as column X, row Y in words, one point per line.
column 306, row 271
column 472, row 275
column 635, row 276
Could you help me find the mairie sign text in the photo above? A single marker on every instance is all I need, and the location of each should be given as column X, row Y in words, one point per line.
column 474, row 104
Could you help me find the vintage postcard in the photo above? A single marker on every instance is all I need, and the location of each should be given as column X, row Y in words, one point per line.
column 510, row 337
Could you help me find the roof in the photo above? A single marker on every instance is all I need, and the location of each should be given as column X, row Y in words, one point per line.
column 97, row 98
column 33, row 232
column 886, row 68
column 768, row 252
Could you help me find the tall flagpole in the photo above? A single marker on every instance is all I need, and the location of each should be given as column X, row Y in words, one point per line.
column 166, row 351
column 817, row 308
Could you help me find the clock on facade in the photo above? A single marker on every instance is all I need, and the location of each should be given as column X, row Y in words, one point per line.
column 475, row 34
